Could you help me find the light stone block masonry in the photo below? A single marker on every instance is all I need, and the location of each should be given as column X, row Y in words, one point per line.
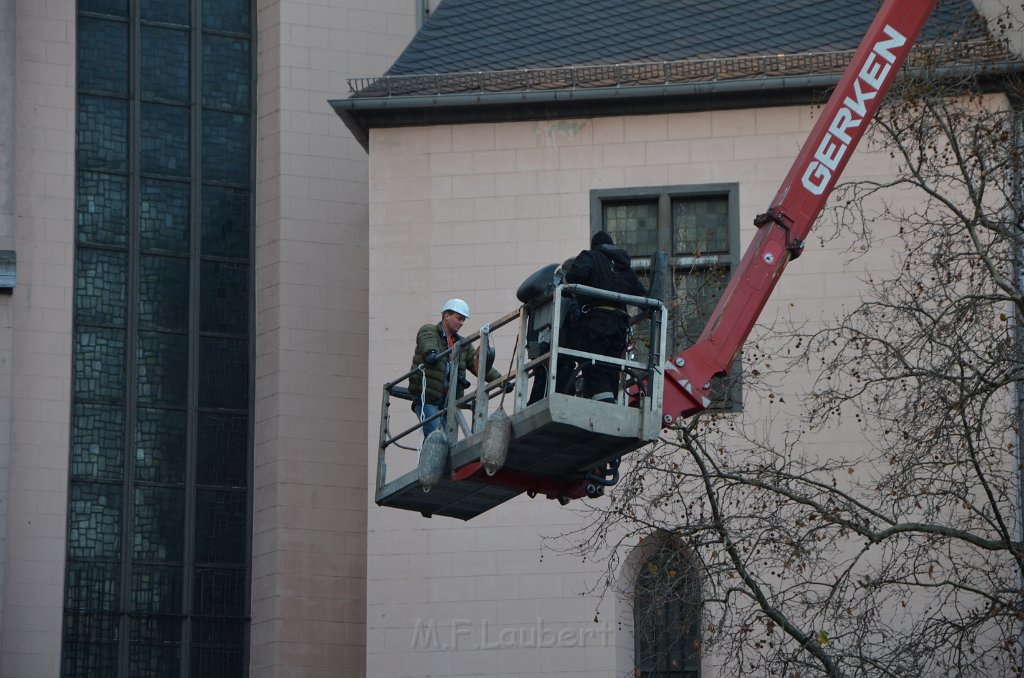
column 309, row 487
column 470, row 211
column 310, row 500
column 37, row 188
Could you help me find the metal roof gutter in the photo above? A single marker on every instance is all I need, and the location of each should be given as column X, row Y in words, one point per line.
column 360, row 114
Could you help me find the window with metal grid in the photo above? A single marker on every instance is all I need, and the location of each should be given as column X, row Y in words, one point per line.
column 698, row 226
column 157, row 578
column 667, row 614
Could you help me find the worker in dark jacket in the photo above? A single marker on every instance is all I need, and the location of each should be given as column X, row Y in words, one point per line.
column 440, row 373
column 539, row 341
column 603, row 324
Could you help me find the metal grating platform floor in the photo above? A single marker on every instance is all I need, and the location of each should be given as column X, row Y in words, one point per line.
column 559, row 438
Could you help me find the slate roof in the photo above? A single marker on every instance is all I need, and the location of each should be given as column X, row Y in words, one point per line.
column 493, row 35
column 477, row 60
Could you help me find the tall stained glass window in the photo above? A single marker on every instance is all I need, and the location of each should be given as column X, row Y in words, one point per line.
column 157, row 580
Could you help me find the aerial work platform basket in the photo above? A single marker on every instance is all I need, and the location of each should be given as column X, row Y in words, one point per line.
column 562, row 446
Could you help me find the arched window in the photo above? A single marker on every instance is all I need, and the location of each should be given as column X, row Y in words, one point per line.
column 667, row 614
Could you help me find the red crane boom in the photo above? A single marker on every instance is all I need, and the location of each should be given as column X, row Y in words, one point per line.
column 567, row 447
column 783, row 228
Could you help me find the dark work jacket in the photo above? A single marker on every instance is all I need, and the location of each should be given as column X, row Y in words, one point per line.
column 608, row 268
column 432, row 338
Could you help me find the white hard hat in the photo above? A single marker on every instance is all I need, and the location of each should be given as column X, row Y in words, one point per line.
column 457, row 305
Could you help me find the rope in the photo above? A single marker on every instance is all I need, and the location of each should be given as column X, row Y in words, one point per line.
column 423, row 389
column 423, row 402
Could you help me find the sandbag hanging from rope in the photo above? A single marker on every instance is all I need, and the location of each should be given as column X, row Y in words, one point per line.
column 433, row 459
column 494, row 448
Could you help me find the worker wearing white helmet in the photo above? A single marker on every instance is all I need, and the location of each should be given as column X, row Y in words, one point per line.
column 457, row 306
column 434, row 344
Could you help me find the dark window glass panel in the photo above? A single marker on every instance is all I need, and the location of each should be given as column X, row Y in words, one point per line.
column 219, row 592
column 697, row 290
column 633, row 226
column 160, row 445
column 700, row 225
column 167, row 12
column 97, row 442
column 226, row 147
column 102, row 209
column 164, row 216
column 222, row 453
column 225, row 222
column 103, row 56
column 164, row 139
column 90, row 646
column 102, row 133
column 226, row 79
column 115, row 7
column 666, row 617
column 226, row 15
column 155, row 648
column 101, row 286
column 99, row 362
column 156, row 589
column 217, row 648
column 163, row 369
column 92, row 587
column 158, row 525
column 726, row 390
column 223, row 373
column 164, row 63
column 163, row 292
column 224, row 298
column 220, row 526
column 94, row 521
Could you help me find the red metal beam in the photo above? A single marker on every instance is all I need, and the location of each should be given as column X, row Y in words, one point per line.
column 783, row 228
column 552, row 488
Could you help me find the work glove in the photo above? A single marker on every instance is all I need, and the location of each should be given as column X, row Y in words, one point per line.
column 463, row 382
column 431, row 358
column 510, row 386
